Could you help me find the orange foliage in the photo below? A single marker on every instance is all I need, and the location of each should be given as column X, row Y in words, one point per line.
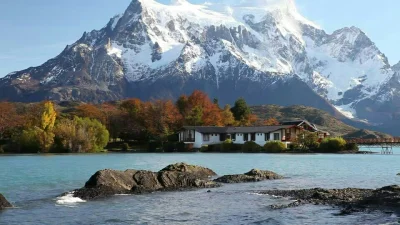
column 211, row 114
column 9, row 118
column 91, row 111
column 270, row 122
column 162, row 118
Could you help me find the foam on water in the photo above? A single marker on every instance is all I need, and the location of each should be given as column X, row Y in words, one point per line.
column 69, row 199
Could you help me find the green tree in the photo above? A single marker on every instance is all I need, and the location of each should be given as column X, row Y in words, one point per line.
column 308, row 140
column 81, row 135
column 195, row 116
column 333, row 145
column 241, row 110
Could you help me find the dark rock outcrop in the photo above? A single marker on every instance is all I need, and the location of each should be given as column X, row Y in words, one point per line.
column 251, row 176
column 398, row 174
column 349, row 199
column 179, row 176
column 4, row 203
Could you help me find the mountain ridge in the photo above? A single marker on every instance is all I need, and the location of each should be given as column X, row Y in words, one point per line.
column 262, row 50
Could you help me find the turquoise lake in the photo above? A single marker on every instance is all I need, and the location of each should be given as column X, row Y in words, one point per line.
column 33, row 182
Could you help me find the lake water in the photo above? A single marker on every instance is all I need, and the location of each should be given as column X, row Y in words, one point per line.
column 32, row 183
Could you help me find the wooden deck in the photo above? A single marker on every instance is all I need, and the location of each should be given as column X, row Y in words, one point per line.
column 385, row 144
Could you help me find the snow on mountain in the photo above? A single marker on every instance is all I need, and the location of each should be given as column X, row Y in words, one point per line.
column 264, row 41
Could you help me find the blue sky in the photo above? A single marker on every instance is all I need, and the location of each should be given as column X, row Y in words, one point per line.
column 35, row 31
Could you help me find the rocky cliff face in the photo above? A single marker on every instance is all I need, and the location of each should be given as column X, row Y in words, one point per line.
column 263, row 50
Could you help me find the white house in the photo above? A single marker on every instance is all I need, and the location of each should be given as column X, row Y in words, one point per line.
column 200, row 135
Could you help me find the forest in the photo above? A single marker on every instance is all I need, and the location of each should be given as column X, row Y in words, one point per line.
column 75, row 127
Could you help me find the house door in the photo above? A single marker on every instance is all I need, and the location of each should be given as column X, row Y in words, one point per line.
column 253, row 137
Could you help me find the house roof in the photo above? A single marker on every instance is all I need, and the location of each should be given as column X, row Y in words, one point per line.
column 300, row 122
column 231, row 130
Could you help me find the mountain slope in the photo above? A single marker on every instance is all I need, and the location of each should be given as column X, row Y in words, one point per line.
column 322, row 119
column 263, row 50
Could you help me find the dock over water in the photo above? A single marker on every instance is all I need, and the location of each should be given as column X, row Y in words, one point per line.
column 385, row 144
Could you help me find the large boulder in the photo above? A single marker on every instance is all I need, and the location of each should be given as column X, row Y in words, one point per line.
column 173, row 177
column 4, row 203
column 251, row 176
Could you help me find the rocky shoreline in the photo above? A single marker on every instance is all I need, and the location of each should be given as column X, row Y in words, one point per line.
column 182, row 177
column 4, row 203
column 176, row 177
column 350, row 200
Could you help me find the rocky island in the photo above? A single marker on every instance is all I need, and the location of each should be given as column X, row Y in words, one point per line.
column 4, row 203
column 174, row 177
column 251, row 176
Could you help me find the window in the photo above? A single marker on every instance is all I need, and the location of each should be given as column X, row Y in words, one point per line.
column 233, row 136
column 246, row 137
column 253, row 137
column 206, row 137
column 276, row 137
column 267, row 137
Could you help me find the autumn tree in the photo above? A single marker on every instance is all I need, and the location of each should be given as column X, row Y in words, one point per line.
column 114, row 119
column 91, row 111
column 199, row 110
column 132, row 111
column 227, row 116
column 270, row 122
column 162, row 119
column 45, row 130
column 39, row 127
column 9, row 119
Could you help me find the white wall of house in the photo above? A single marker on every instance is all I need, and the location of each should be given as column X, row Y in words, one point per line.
column 215, row 139
column 198, row 140
column 260, row 139
column 239, row 139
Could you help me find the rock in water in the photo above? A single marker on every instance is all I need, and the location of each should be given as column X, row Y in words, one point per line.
column 251, row 176
column 398, row 174
column 4, row 203
column 173, row 177
column 350, row 199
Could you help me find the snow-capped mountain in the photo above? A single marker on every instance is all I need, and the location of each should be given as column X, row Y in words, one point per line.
column 260, row 49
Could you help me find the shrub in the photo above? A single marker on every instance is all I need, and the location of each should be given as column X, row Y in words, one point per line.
column 307, row 140
column 1, row 149
column 180, row 147
column 29, row 141
column 183, row 147
column 274, row 146
column 153, row 146
column 204, row 148
column 352, row 147
column 169, row 147
column 226, row 146
column 294, row 146
column 81, row 135
column 251, row 146
column 332, row 145
column 125, row 146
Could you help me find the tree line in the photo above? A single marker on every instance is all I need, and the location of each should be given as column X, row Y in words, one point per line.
column 82, row 127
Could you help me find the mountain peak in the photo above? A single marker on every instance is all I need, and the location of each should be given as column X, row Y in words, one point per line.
column 179, row 2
